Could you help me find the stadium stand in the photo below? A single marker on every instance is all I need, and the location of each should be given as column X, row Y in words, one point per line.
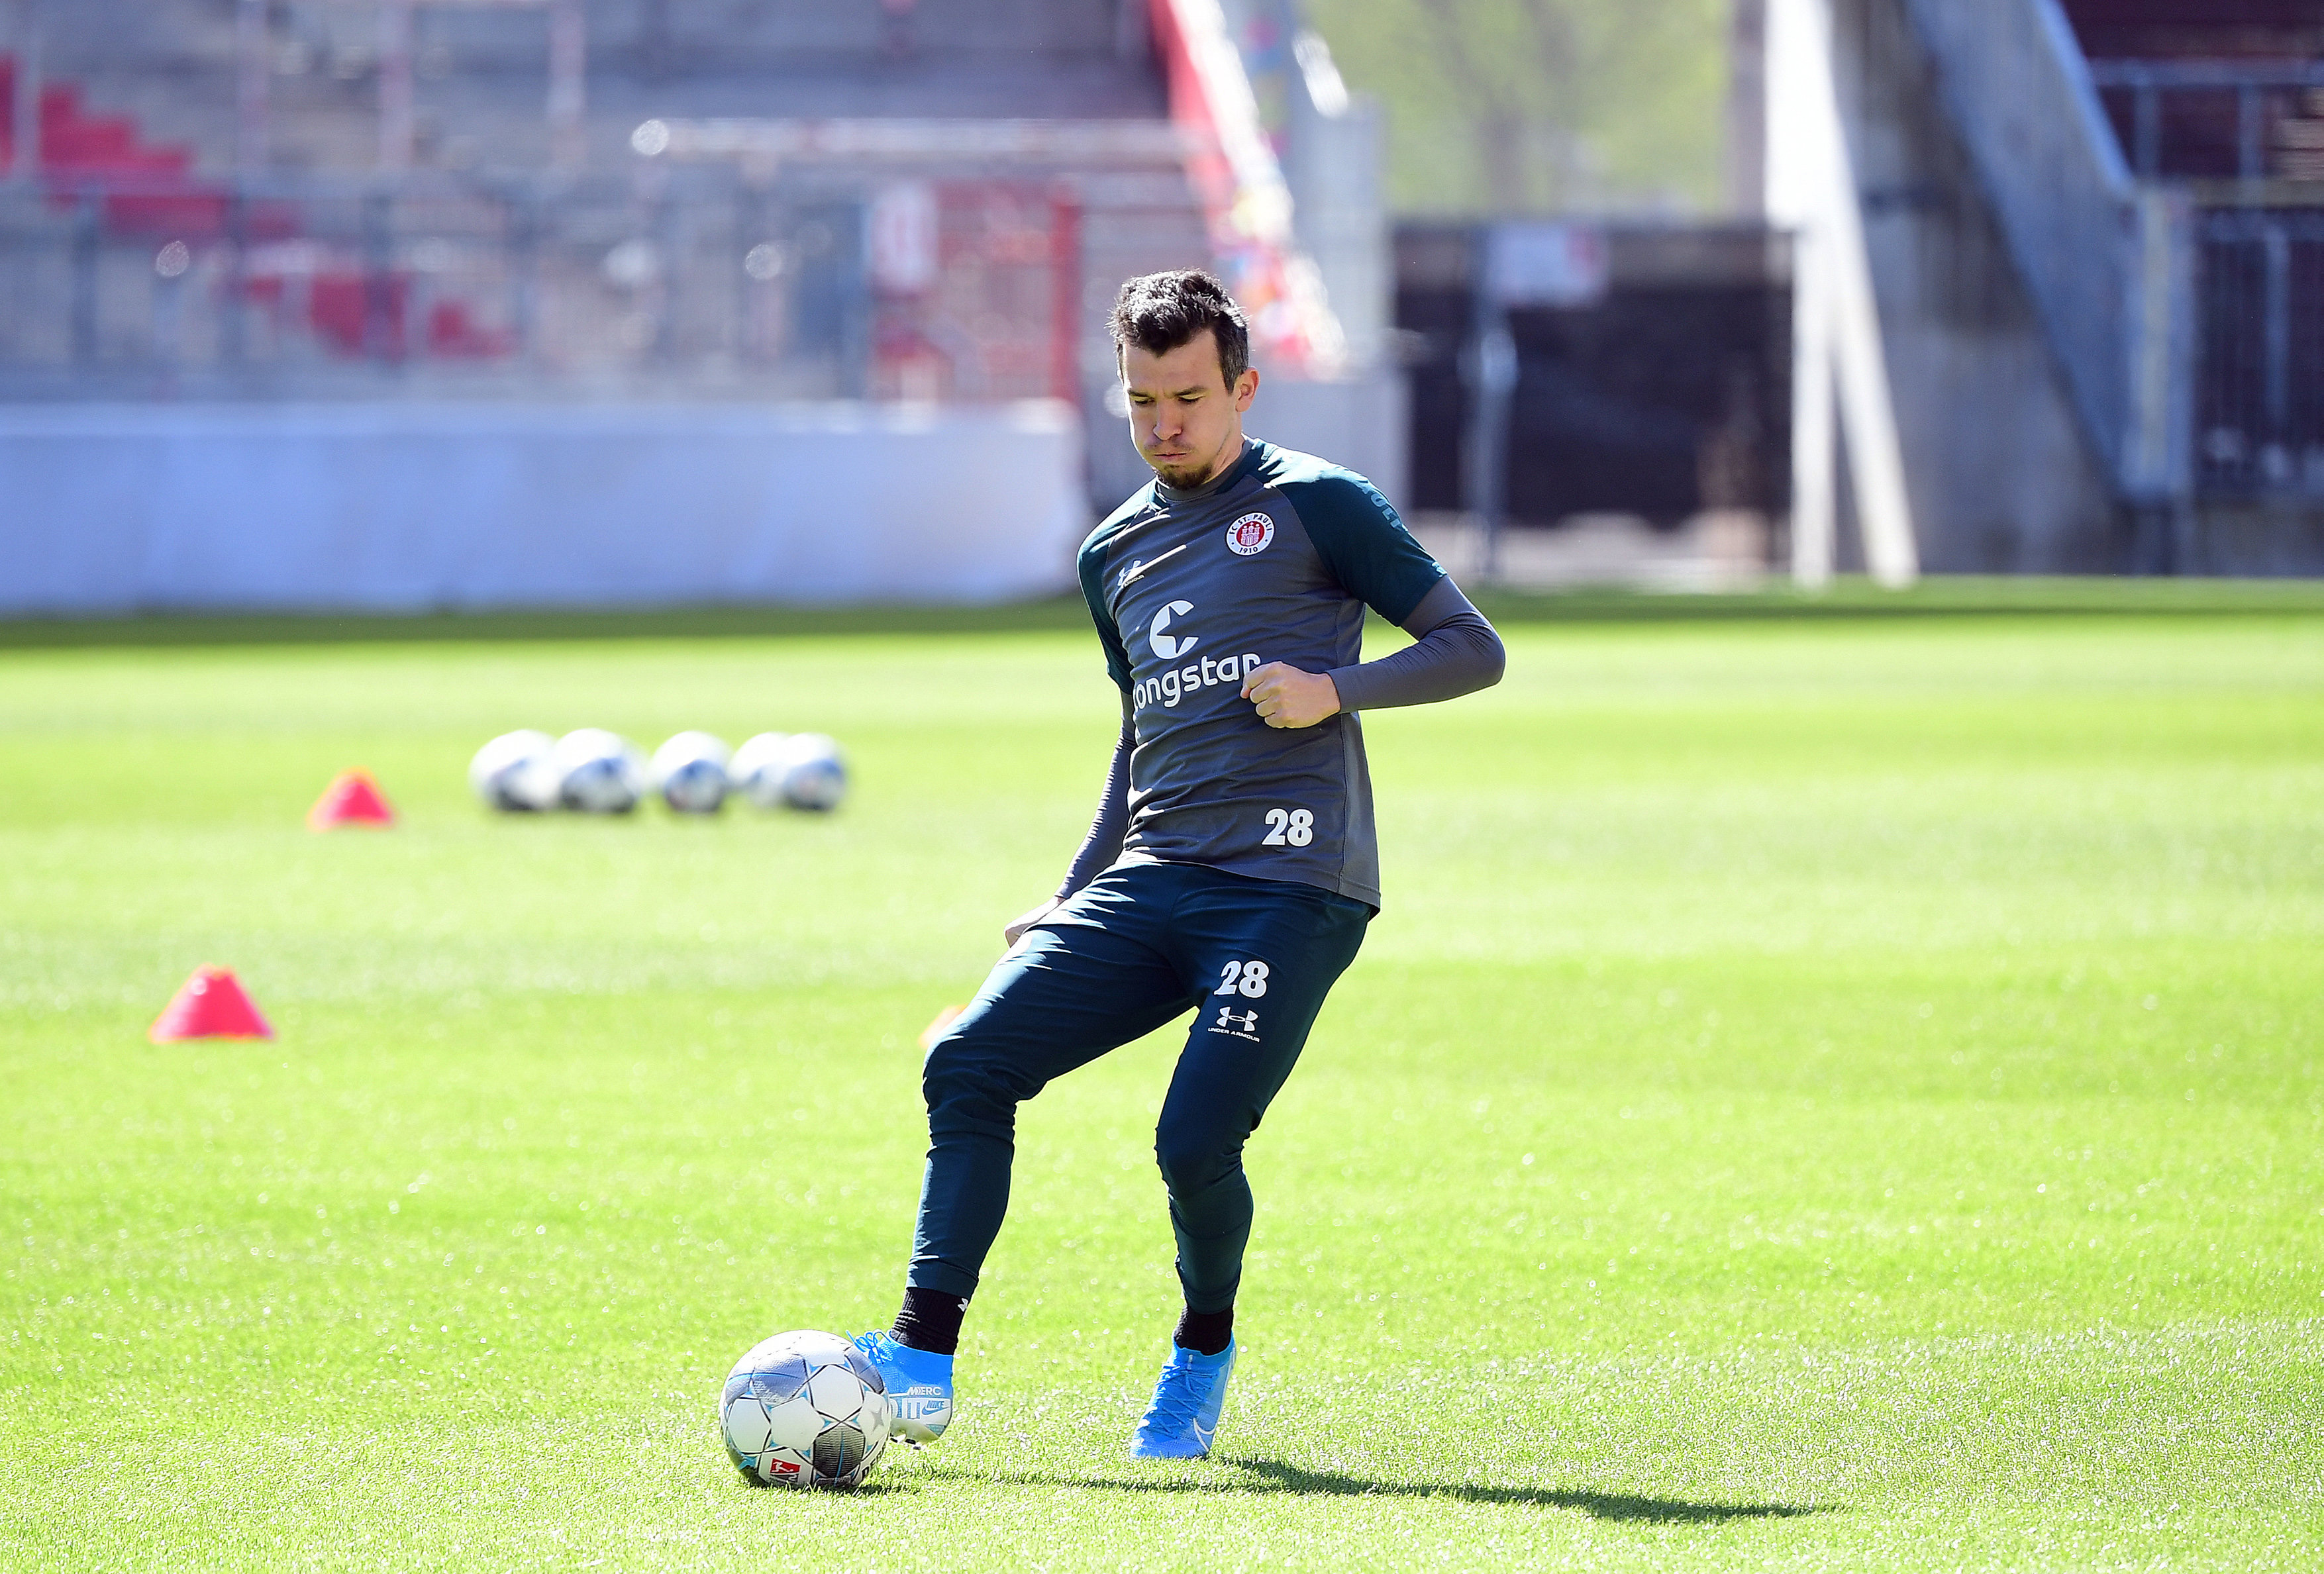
column 372, row 183
column 2224, row 99
column 2102, row 215
column 2095, row 232
column 477, row 209
column 412, row 199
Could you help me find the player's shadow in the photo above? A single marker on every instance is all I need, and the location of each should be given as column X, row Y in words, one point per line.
column 1297, row 1479
column 1274, row 1476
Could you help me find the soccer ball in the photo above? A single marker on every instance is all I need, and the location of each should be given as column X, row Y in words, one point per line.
column 756, row 769
column 599, row 772
column 512, row 772
column 805, row 1409
column 810, row 772
column 689, row 771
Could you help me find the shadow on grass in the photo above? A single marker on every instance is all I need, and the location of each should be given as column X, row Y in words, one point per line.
column 1262, row 1475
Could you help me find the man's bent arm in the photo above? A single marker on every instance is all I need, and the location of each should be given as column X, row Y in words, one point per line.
column 1455, row 652
column 1102, row 845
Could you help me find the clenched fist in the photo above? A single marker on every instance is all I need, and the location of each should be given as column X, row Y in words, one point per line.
column 1286, row 696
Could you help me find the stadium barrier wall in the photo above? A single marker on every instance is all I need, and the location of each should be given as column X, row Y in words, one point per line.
column 114, row 509
column 1359, row 420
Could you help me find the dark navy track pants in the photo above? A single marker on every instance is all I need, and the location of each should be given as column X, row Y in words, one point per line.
column 1134, row 948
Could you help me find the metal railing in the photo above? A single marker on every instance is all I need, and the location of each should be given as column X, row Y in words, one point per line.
column 685, row 279
column 2259, row 405
column 2240, row 120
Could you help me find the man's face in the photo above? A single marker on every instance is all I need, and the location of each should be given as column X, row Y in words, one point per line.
column 1186, row 422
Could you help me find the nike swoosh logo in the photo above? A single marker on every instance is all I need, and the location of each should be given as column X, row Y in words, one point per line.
column 1138, row 570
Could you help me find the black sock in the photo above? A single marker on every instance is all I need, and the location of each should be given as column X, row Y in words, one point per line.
column 929, row 1321
column 1206, row 1333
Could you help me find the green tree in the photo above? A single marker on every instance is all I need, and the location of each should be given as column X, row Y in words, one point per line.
column 1502, row 106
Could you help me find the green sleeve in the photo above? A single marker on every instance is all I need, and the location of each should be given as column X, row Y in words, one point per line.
column 1091, row 566
column 1364, row 543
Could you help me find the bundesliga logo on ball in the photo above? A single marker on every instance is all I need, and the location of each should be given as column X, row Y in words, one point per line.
column 805, row 1409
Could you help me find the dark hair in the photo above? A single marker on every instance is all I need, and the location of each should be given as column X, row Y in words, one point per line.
column 1159, row 312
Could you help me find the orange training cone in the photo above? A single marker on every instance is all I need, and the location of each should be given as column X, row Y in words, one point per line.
column 936, row 1029
column 353, row 798
column 211, row 1005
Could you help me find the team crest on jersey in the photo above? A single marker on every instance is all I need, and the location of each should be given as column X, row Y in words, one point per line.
column 1251, row 535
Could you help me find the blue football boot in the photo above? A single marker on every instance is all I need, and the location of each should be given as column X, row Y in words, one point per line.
column 919, row 1386
column 1184, row 1415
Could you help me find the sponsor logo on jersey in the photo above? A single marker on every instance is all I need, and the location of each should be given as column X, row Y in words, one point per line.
column 1237, row 1023
column 1169, row 688
column 1170, row 647
column 1251, row 535
column 1174, row 685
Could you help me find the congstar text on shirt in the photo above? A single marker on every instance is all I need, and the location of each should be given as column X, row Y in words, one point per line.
column 1194, row 590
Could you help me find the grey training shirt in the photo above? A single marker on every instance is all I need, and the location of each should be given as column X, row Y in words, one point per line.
column 1275, row 560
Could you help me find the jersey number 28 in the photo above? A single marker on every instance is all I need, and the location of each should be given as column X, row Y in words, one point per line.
column 1247, row 977
column 1295, row 826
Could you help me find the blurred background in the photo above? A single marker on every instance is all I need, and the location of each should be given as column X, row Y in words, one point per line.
column 414, row 304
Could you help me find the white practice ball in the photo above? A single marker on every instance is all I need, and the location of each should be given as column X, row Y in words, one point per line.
column 811, row 774
column 805, row 1409
column 513, row 771
column 756, row 769
column 689, row 772
column 599, row 772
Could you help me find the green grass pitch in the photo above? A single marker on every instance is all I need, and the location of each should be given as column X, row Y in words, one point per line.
column 1830, row 1092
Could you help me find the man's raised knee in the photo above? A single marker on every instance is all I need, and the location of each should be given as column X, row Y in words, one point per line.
column 953, row 1071
column 1192, row 1157
column 965, row 1081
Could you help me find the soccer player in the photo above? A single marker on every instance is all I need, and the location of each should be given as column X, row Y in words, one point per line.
column 1232, row 866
